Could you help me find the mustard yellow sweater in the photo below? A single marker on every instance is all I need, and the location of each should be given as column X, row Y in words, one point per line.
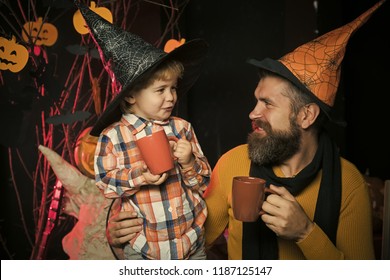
column 354, row 235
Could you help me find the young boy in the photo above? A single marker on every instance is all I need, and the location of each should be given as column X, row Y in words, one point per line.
column 171, row 204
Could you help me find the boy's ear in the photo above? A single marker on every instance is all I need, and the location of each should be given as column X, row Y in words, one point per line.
column 130, row 99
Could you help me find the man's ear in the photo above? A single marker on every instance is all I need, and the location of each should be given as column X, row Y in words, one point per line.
column 130, row 99
column 309, row 114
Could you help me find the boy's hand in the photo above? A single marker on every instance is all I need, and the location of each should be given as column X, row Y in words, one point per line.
column 182, row 150
column 152, row 179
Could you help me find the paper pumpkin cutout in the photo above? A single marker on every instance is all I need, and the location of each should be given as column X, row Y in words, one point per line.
column 79, row 22
column 84, row 152
column 40, row 33
column 13, row 56
column 172, row 44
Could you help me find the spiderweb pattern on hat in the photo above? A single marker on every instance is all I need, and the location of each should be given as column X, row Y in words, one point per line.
column 124, row 54
column 317, row 63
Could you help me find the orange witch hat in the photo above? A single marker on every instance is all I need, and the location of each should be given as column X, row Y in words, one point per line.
column 315, row 66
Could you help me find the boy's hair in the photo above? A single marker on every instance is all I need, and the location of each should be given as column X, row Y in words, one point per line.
column 163, row 72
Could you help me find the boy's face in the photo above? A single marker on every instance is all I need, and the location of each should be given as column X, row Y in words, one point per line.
column 155, row 102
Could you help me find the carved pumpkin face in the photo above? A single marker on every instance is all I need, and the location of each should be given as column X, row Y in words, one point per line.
column 79, row 22
column 172, row 44
column 40, row 33
column 13, row 57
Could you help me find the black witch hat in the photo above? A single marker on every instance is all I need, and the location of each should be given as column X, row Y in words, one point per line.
column 127, row 57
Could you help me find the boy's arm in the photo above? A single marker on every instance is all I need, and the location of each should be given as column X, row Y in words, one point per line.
column 198, row 175
column 109, row 177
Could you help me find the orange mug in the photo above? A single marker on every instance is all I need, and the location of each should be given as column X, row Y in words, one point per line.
column 248, row 195
column 156, row 151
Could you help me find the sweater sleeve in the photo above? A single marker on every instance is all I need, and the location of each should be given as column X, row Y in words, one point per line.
column 354, row 235
column 216, row 200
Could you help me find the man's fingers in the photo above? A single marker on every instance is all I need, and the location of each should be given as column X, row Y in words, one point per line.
column 119, row 241
column 122, row 227
column 283, row 192
column 122, row 232
column 123, row 216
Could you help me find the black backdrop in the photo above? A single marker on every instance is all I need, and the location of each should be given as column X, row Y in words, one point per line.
column 220, row 102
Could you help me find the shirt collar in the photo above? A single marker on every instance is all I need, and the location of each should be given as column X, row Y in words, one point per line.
column 137, row 124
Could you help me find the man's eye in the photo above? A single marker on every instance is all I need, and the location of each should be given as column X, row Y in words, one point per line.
column 267, row 103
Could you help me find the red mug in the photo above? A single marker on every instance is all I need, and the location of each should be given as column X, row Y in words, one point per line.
column 156, row 151
column 248, row 195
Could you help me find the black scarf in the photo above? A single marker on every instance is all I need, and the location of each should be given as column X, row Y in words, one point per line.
column 258, row 241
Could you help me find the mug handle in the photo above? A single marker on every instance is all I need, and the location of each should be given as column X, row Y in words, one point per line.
column 175, row 139
column 267, row 191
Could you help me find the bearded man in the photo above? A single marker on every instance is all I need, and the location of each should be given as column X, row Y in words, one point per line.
column 320, row 205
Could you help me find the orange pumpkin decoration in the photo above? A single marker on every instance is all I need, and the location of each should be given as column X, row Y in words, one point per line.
column 40, row 33
column 172, row 44
column 84, row 152
column 79, row 22
column 13, row 57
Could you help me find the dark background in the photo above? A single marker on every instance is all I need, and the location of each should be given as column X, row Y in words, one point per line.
column 222, row 99
column 219, row 104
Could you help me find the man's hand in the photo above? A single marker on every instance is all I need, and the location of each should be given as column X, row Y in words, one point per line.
column 122, row 227
column 285, row 216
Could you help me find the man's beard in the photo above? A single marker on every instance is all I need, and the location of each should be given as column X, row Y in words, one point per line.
column 276, row 146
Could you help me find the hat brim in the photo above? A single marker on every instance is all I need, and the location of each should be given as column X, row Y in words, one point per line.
column 190, row 54
column 278, row 68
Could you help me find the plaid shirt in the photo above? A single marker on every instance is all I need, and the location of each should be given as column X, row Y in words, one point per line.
column 174, row 212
